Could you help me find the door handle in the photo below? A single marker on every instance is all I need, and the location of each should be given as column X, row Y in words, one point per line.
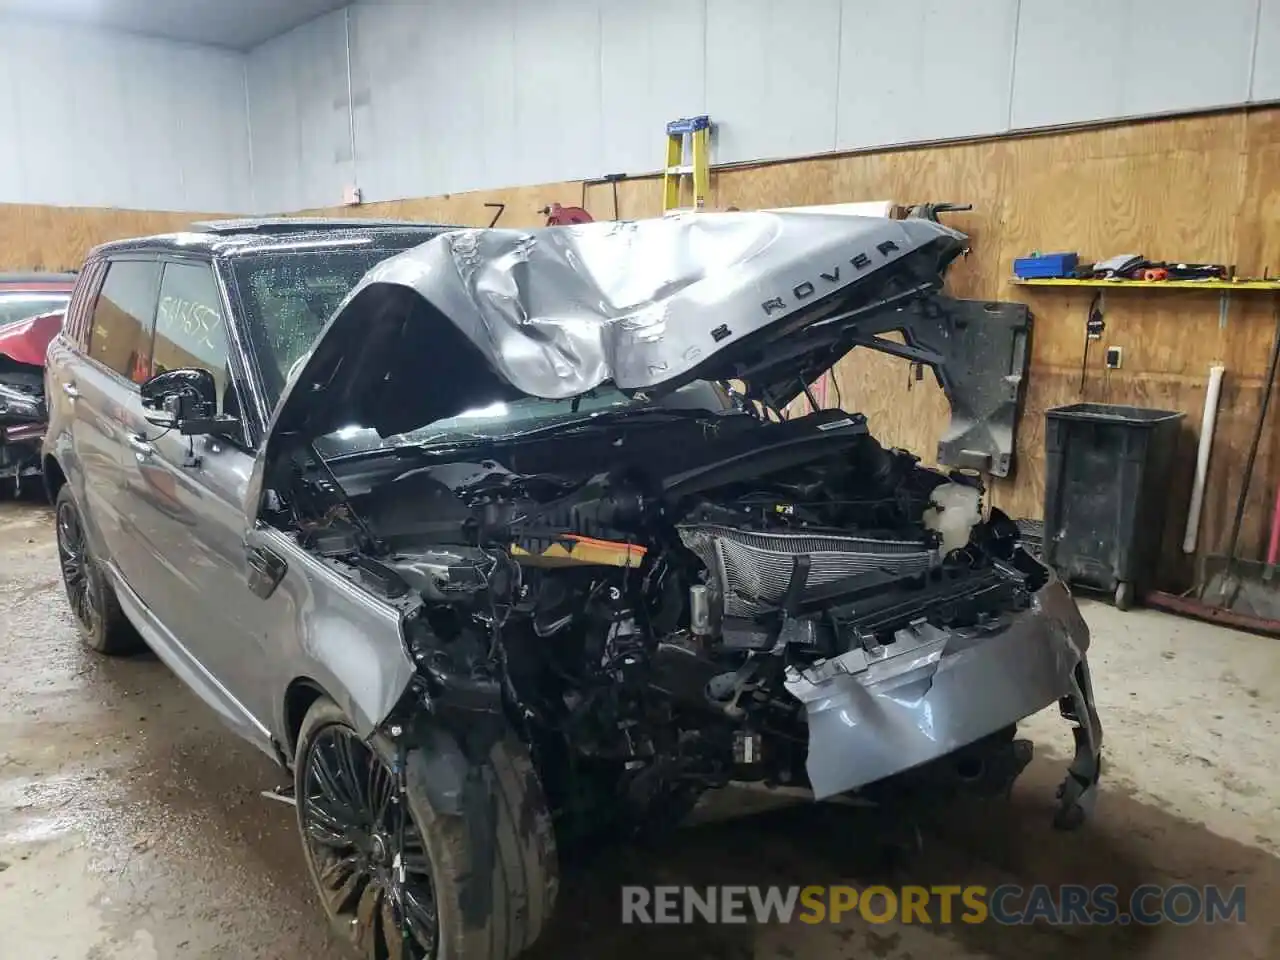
column 71, row 390
column 266, row 570
column 141, row 446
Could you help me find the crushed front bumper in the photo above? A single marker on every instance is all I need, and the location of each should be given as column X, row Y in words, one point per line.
column 875, row 714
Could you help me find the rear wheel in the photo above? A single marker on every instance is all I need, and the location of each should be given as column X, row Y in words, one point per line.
column 102, row 624
column 402, row 880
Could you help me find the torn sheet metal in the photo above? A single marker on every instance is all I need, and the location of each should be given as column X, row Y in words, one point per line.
column 985, row 377
column 933, row 691
column 979, row 352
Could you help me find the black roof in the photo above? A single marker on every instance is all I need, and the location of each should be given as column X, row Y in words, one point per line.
column 235, row 237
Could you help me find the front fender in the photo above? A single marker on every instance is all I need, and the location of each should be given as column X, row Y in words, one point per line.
column 323, row 626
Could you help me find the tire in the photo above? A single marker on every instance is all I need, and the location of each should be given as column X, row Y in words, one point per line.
column 492, row 868
column 1124, row 595
column 101, row 623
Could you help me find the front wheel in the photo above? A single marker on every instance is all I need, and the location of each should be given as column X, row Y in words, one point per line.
column 402, row 879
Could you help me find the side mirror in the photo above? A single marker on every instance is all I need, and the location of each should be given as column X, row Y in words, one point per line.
column 185, row 399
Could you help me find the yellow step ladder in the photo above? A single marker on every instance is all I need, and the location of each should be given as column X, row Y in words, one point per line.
column 697, row 130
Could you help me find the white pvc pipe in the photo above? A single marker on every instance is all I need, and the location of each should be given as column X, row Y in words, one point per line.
column 1207, row 425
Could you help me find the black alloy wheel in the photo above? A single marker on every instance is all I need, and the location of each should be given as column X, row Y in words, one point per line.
column 77, row 576
column 367, row 853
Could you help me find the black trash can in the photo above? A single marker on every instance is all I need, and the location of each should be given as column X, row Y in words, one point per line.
column 1106, row 481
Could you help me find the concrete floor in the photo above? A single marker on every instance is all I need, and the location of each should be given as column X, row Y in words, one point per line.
column 131, row 825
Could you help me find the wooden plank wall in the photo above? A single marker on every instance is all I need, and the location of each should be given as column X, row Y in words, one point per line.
column 1202, row 189
column 34, row 237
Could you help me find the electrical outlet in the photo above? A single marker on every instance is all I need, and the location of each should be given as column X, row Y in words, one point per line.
column 1113, row 358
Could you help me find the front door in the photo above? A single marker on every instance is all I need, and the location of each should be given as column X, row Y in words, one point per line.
column 190, row 505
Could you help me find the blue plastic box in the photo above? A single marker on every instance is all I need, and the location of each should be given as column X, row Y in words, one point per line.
column 1045, row 265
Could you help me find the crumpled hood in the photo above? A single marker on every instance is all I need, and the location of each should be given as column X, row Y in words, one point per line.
column 28, row 340
column 476, row 316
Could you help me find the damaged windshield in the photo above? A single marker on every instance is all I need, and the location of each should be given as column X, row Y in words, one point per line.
column 289, row 295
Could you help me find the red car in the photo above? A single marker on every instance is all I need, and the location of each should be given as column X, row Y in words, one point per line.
column 31, row 310
column 24, row 295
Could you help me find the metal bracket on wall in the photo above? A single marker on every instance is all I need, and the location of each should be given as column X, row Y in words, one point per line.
column 1224, row 308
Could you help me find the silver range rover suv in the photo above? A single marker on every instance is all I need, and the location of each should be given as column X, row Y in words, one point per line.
column 495, row 539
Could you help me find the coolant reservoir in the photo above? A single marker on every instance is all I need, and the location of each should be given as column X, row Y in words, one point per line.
column 959, row 510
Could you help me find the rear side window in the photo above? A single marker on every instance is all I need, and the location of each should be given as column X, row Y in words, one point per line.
column 120, row 331
column 191, row 330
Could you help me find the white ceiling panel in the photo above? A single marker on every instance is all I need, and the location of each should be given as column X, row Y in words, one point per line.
column 238, row 24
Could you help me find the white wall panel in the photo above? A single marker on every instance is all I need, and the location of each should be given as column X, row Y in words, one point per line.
column 652, row 71
column 772, row 76
column 1186, row 54
column 154, row 129
column 1070, row 61
column 116, row 173
column 923, row 70
column 1266, row 68
column 214, row 146
column 452, row 96
column 879, row 63
column 47, row 118
column 435, row 96
column 493, row 100
column 95, row 118
column 387, row 56
column 12, row 152
column 558, row 109
column 299, row 116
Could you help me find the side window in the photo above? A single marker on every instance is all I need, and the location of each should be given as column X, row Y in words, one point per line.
column 190, row 327
column 120, row 329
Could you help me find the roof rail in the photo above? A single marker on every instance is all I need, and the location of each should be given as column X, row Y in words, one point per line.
column 268, row 225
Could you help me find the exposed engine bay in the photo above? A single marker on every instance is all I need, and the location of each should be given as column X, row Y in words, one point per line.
column 662, row 599
column 734, row 599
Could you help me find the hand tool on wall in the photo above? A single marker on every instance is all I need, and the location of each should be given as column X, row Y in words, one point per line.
column 613, row 179
column 559, row 216
column 1094, row 325
column 1273, row 544
column 1244, row 586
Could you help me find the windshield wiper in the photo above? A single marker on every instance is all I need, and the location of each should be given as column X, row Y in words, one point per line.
column 606, row 417
column 598, row 418
column 446, row 439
